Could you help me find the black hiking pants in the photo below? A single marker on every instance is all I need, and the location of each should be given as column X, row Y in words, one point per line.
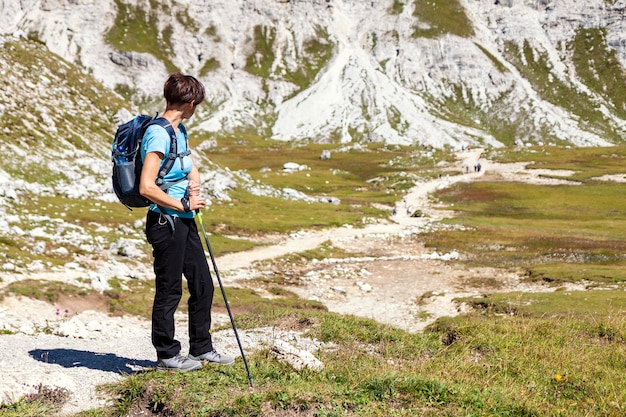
column 177, row 254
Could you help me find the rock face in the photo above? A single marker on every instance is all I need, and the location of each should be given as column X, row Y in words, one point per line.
column 400, row 71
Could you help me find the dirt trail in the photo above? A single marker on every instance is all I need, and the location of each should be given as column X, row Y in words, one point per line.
column 400, row 283
column 416, row 198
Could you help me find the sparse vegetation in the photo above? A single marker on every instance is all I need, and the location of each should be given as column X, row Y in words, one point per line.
column 209, row 65
column 441, row 17
column 599, row 67
column 45, row 402
column 397, row 7
column 314, row 55
column 496, row 62
column 135, row 30
column 45, row 290
column 536, row 67
column 260, row 61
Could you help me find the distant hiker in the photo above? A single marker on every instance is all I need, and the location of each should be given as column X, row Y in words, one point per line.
column 173, row 234
column 478, row 167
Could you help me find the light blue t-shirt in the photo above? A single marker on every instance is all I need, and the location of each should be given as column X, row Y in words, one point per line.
column 156, row 139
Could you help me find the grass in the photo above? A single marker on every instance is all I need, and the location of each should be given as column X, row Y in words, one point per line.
column 524, row 363
column 367, row 183
column 598, row 66
column 280, row 215
column 135, row 30
column 516, row 354
column 313, row 55
column 528, row 364
column 375, row 173
column 530, row 225
column 45, row 401
column 564, row 304
column 535, row 66
column 363, row 181
column 558, row 233
column 44, row 290
column 586, row 163
column 440, row 17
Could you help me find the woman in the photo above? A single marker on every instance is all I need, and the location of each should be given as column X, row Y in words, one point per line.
column 173, row 234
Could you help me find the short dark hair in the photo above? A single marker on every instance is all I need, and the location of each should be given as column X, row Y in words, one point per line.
column 180, row 89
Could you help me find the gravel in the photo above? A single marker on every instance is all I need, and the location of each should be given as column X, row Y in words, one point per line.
column 90, row 348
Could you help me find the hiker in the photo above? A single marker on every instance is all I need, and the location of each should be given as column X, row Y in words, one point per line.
column 173, row 234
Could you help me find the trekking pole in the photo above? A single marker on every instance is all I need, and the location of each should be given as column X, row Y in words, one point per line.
column 219, row 280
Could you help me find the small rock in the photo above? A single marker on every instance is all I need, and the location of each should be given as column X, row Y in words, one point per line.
column 298, row 359
column 363, row 286
column 339, row 290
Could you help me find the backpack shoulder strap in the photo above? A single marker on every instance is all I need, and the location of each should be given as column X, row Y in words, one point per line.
column 165, row 124
column 170, row 158
column 183, row 129
column 168, row 161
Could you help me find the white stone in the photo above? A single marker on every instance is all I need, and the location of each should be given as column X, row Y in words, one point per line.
column 297, row 358
column 8, row 266
column 73, row 328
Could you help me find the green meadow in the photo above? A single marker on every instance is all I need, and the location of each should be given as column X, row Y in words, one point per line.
column 558, row 353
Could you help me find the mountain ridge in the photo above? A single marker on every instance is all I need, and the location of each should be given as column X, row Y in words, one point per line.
column 408, row 72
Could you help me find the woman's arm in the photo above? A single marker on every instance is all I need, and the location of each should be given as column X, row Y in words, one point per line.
column 194, row 182
column 149, row 189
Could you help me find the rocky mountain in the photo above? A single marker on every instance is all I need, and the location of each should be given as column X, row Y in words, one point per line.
column 494, row 72
column 440, row 73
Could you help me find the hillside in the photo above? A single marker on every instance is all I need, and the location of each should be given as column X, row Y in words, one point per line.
column 399, row 71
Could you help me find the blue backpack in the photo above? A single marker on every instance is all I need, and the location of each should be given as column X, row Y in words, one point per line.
column 127, row 163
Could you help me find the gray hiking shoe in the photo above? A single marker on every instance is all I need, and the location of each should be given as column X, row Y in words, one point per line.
column 179, row 363
column 214, row 357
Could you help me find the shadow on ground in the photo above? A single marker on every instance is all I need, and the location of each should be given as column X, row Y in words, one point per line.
column 106, row 362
